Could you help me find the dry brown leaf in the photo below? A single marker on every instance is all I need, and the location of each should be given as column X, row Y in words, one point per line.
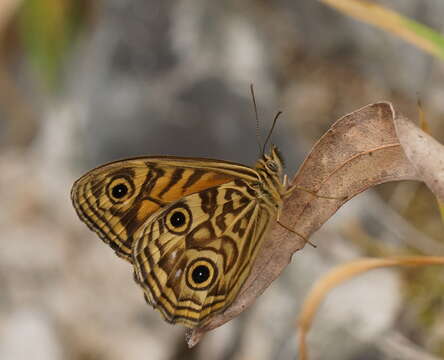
column 359, row 151
column 425, row 153
column 424, row 126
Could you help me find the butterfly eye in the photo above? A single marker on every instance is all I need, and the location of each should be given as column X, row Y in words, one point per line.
column 271, row 165
column 201, row 274
column 178, row 219
column 120, row 189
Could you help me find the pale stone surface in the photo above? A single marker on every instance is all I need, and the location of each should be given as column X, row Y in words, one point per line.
column 29, row 334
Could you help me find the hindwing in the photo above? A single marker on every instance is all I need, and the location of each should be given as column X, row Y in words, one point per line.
column 193, row 256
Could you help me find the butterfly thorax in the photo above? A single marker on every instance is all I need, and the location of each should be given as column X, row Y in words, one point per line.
column 270, row 187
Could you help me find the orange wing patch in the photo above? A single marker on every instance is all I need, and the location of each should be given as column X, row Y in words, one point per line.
column 175, row 183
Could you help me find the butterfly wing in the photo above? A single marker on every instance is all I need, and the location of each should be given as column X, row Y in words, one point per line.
column 193, row 256
column 115, row 199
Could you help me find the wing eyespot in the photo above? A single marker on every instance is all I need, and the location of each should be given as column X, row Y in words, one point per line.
column 178, row 219
column 201, row 274
column 120, row 189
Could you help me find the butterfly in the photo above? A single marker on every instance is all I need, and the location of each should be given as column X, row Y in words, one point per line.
column 190, row 227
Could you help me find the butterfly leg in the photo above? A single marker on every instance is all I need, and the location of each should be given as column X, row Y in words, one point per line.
column 314, row 193
column 293, row 231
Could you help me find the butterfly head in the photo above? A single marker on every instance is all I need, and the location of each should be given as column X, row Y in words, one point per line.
column 272, row 163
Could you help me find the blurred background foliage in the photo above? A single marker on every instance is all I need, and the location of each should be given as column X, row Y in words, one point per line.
column 84, row 82
column 48, row 30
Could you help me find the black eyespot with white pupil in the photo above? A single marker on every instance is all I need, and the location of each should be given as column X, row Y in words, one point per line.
column 119, row 191
column 200, row 274
column 177, row 219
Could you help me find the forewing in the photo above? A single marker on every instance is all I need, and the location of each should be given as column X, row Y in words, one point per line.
column 114, row 200
column 194, row 268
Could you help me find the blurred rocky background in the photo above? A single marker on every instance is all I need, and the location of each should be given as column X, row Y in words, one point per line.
column 85, row 82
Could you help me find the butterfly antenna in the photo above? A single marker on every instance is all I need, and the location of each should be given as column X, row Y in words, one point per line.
column 271, row 131
column 258, row 136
